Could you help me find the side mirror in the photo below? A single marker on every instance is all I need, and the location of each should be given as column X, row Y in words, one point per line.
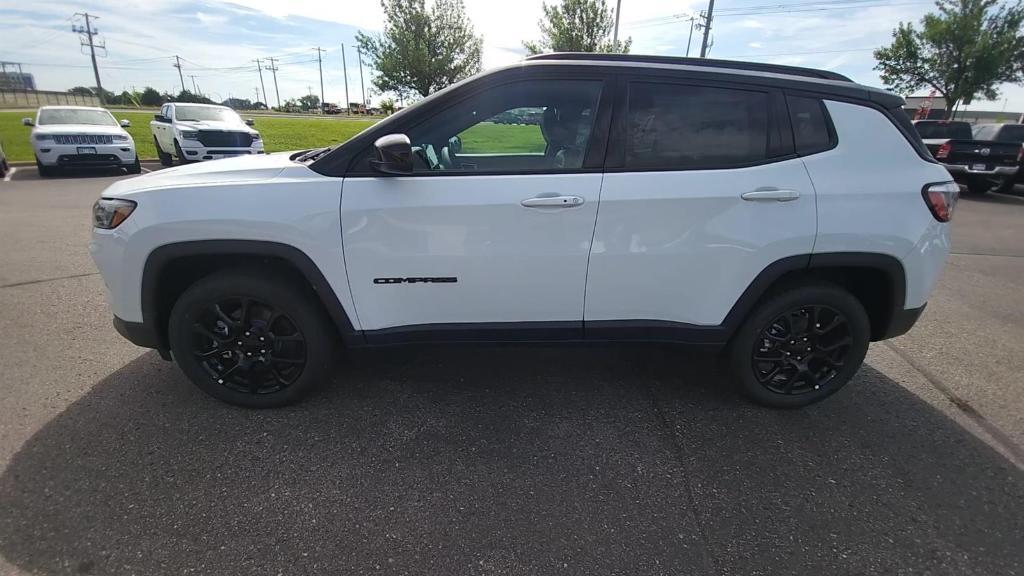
column 249, row 122
column 394, row 154
column 126, row 123
column 27, row 122
column 161, row 118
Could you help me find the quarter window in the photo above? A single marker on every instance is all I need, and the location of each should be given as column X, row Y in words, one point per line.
column 534, row 125
column 810, row 125
column 673, row 126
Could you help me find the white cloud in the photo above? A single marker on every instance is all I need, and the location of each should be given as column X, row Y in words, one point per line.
column 755, row 45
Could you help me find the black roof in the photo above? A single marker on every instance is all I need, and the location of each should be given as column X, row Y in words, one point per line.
column 703, row 62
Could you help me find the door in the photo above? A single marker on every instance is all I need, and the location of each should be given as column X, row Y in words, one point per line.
column 163, row 131
column 703, row 192
column 492, row 231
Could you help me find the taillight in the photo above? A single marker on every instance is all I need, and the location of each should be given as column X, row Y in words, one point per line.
column 943, row 151
column 941, row 199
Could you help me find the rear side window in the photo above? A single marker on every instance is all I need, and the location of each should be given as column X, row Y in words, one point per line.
column 675, row 126
column 811, row 133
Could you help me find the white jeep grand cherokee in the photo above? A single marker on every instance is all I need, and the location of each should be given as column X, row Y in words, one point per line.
column 197, row 132
column 787, row 214
column 80, row 137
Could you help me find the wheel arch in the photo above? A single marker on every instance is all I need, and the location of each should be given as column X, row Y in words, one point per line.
column 171, row 268
column 877, row 280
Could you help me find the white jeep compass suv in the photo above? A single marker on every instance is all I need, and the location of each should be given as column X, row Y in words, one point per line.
column 786, row 214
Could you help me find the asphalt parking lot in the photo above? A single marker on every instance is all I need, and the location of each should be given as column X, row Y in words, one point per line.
column 616, row 460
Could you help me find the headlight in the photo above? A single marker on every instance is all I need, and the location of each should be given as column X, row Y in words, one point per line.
column 109, row 213
column 189, row 134
column 121, row 138
column 42, row 137
column 256, row 136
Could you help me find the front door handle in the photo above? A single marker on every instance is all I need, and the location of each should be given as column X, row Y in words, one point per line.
column 765, row 193
column 552, row 202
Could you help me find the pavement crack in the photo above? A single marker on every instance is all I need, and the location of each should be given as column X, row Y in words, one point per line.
column 42, row 280
column 680, row 456
column 998, row 436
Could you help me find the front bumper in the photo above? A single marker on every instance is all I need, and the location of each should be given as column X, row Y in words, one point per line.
column 195, row 151
column 901, row 322
column 140, row 334
column 69, row 156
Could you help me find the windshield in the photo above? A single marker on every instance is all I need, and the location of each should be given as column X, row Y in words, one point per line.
column 75, row 116
column 957, row 130
column 1013, row 134
column 205, row 114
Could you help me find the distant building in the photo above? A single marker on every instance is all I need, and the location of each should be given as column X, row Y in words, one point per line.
column 937, row 111
column 10, row 80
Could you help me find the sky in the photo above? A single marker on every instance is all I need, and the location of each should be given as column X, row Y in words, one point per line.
column 218, row 41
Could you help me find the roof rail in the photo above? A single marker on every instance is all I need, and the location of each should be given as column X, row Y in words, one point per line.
column 703, row 62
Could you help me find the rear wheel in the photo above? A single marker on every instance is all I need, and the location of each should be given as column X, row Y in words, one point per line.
column 978, row 186
column 250, row 340
column 165, row 158
column 800, row 346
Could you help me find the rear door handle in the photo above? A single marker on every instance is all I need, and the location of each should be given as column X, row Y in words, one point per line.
column 552, row 202
column 777, row 194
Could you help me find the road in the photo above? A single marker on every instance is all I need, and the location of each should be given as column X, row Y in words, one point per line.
column 535, row 460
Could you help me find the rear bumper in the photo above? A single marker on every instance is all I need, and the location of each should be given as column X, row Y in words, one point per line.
column 140, row 334
column 902, row 321
column 965, row 170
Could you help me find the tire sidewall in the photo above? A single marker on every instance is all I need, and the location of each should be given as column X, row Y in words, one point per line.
column 288, row 298
column 741, row 348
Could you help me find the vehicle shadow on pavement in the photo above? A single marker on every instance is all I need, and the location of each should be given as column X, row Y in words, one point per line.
column 507, row 461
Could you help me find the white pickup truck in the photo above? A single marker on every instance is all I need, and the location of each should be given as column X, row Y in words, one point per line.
column 197, row 132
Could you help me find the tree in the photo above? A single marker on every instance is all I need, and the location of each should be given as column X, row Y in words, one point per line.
column 964, row 51
column 577, row 26
column 309, row 102
column 189, row 97
column 387, row 106
column 150, row 97
column 421, row 50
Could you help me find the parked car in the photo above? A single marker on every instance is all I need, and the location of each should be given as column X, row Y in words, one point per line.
column 80, row 137
column 197, row 132
column 1012, row 133
column 788, row 215
column 978, row 164
column 4, row 166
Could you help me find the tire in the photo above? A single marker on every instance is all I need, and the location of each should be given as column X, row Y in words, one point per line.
column 45, row 171
column 766, row 350
column 135, row 167
column 299, row 343
column 165, row 158
column 178, row 152
column 3, row 168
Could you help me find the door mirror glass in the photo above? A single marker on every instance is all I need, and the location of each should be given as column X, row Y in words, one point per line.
column 161, row 118
column 126, row 123
column 27, row 122
column 393, row 154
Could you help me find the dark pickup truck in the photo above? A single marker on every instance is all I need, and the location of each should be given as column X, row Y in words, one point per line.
column 977, row 164
column 1004, row 133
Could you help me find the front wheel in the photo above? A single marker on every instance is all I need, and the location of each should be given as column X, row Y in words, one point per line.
column 251, row 340
column 800, row 346
column 179, row 153
column 44, row 170
column 134, row 167
column 165, row 158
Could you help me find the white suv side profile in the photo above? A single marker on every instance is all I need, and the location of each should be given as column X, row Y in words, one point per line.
column 80, row 137
column 784, row 214
column 199, row 132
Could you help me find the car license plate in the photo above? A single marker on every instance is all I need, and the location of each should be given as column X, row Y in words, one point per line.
column 978, row 167
column 86, row 150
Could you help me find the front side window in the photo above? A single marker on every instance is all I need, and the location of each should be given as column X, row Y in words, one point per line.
column 533, row 125
column 75, row 116
column 677, row 127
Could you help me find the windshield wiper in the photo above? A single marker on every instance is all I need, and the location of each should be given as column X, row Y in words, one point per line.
column 313, row 154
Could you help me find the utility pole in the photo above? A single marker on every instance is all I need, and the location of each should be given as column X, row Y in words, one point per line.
column 320, row 64
column 195, row 89
column 690, row 39
column 257, row 90
column 177, row 64
column 259, row 68
column 273, row 69
column 90, row 34
column 615, row 36
column 344, row 71
column 708, row 19
column 361, row 86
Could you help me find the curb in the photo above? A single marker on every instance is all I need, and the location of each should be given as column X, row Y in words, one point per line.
column 32, row 163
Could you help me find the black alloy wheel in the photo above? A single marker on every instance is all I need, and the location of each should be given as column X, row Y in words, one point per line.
column 802, row 350
column 248, row 346
column 253, row 338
